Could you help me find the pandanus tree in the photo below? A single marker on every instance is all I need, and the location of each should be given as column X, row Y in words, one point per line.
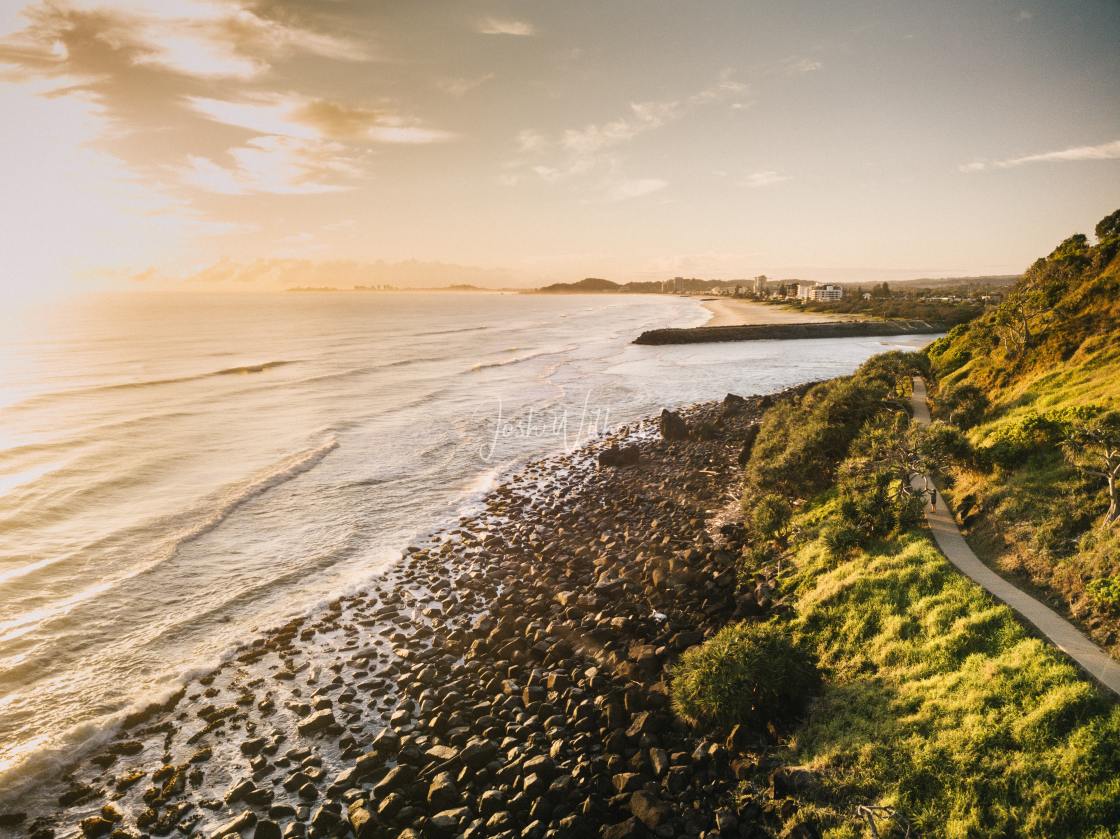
column 1091, row 442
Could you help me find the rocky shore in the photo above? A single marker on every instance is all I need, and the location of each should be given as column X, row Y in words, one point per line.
column 508, row 678
column 771, row 331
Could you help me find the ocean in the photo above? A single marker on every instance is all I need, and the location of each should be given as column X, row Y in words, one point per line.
column 179, row 473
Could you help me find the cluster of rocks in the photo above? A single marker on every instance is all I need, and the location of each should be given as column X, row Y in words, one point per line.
column 509, row 678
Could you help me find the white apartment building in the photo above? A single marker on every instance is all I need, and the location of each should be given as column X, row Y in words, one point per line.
column 826, row 292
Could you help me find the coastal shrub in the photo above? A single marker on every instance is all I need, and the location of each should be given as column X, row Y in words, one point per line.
column 749, row 674
column 843, row 536
column 768, row 516
column 800, row 444
column 1105, row 591
column 1013, row 442
column 754, row 559
column 963, row 405
column 894, row 370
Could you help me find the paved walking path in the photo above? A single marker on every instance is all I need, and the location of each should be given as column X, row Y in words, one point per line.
column 1064, row 635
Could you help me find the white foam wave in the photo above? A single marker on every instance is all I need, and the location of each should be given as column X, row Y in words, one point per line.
column 281, row 472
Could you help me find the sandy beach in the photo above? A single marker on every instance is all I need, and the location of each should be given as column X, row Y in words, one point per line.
column 732, row 312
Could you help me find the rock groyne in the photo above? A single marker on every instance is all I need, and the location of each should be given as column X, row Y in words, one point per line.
column 787, row 331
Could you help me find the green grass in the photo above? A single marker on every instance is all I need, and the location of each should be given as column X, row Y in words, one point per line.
column 938, row 703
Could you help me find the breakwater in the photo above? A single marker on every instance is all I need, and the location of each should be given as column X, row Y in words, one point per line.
column 777, row 331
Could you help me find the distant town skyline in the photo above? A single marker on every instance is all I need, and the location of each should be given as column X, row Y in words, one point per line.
column 235, row 144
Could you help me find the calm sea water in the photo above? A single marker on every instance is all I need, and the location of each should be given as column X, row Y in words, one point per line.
column 179, row 473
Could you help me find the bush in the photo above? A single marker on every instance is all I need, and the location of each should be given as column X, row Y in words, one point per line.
column 1012, row 443
column 800, row 444
column 842, row 536
column 963, row 405
column 768, row 516
column 749, row 674
column 1105, row 591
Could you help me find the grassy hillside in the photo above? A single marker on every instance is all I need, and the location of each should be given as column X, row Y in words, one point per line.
column 938, row 705
column 914, row 703
column 1013, row 378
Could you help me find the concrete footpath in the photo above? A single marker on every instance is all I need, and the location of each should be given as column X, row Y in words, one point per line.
column 1064, row 635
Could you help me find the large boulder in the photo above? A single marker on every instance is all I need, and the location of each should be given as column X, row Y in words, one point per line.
column 673, row 427
column 651, row 811
column 620, row 456
column 317, row 723
column 733, row 404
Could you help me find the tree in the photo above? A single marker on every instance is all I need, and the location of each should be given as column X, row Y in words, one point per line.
column 1033, row 302
column 878, row 481
column 1108, row 227
column 1091, row 442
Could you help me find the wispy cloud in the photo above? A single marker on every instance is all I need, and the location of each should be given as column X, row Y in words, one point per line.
column 767, row 177
column 272, row 165
column 1104, row 151
column 504, row 26
column 290, row 115
column 304, row 145
column 529, row 140
column 643, row 117
column 463, row 86
column 636, row 188
column 801, row 66
column 584, row 149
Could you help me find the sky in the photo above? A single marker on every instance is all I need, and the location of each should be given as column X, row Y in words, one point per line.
column 241, row 144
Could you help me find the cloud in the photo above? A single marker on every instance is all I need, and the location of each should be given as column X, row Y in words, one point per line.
column 643, row 117
column 305, row 146
column 272, row 165
column 1104, row 151
column 273, row 115
column 463, row 86
column 529, row 140
column 587, row 148
column 501, row 26
column 290, row 115
column 159, row 70
column 193, row 38
column 1024, row 15
column 635, row 188
column 768, row 177
column 801, row 66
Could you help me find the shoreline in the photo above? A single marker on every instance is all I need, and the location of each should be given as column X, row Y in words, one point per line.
column 234, row 742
